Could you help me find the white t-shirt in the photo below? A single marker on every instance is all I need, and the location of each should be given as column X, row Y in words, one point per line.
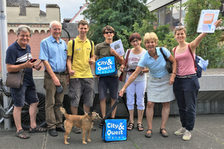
column 133, row 60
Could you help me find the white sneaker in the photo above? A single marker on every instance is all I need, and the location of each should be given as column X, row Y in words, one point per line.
column 180, row 131
column 187, row 135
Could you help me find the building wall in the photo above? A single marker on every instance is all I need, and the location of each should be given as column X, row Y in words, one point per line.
column 32, row 15
column 36, row 19
column 34, row 42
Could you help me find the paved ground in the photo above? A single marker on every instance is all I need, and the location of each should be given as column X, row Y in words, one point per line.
column 208, row 134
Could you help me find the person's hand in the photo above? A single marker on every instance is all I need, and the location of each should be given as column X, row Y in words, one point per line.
column 56, row 81
column 91, row 61
column 122, row 68
column 121, row 92
column 113, row 52
column 172, row 78
column 218, row 22
column 29, row 64
column 71, row 72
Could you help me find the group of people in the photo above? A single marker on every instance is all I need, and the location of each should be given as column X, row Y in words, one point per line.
column 75, row 60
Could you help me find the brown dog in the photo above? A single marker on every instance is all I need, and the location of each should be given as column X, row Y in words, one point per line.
column 85, row 122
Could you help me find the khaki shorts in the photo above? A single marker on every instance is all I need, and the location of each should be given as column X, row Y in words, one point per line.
column 81, row 87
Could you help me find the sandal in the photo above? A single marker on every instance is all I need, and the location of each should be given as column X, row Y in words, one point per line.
column 140, row 127
column 22, row 134
column 130, row 126
column 37, row 129
column 164, row 132
column 148, row 133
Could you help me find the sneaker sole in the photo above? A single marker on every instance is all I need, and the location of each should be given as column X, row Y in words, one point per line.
column 178, row 134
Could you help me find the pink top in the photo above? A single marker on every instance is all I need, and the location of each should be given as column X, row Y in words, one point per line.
column 185, row 63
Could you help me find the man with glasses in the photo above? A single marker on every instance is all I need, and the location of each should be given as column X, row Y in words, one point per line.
column 53, row 53
column 107, row 82
column 18, row 57
column 80, row 58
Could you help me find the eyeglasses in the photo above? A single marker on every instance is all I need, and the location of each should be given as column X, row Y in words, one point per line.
column 134, row 41
column 23, row 36
column 108, row 32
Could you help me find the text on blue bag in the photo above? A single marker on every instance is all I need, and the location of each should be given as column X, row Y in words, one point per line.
column 115, row 130
column 106, row 66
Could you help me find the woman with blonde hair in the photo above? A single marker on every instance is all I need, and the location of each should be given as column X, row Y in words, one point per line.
column 160, row 88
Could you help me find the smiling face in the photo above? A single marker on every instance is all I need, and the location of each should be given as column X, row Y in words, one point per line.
column 150, row 45
column 136, row 43
column 83, row 29
column 108, row 35
column 23, row 38
column 56, row 31
column 180, row 35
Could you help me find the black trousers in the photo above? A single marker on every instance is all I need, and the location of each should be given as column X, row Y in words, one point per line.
column 186, row 91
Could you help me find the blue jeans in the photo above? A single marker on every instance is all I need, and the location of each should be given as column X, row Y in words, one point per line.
column 186, row 91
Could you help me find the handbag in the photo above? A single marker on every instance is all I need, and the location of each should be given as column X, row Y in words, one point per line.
column 115, row 129
column 169, row 65
column 123, row 75
column 15, row 79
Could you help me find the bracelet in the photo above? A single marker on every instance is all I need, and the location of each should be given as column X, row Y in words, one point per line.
column 174, row 73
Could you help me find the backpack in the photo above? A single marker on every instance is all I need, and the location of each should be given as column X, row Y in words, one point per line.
column 198, row 68
column 73, row 46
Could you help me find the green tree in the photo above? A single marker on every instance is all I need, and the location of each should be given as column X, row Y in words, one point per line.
column 121, row 15
column 208, row 48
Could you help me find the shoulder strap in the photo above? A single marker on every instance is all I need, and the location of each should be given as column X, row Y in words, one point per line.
column 91, row 43
column 174, row 51
column 161, row 50
column 73, row 46
column 126, row 60
column 195, row 66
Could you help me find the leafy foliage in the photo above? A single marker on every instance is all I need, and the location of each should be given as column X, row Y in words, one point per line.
column 208, row 48
column 129, row 16
column 121, row 15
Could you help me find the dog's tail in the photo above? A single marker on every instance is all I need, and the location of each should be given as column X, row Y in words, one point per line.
column 63, row 111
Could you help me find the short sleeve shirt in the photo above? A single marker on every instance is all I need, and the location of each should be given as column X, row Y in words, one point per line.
column 82, row 53
column 133, row 60
column 55, row 53
column 16, row 55
column 157, row 66
column 103, row 50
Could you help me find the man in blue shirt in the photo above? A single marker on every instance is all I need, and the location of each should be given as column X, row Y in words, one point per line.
column 53, row 53
column 18, row 57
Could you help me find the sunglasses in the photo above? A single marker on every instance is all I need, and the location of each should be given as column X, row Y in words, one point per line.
column 179, row 27
column 108, row 32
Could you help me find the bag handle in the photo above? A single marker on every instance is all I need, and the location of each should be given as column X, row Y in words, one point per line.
column 117, row 101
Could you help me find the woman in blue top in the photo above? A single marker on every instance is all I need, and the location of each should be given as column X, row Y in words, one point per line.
column 160, row 88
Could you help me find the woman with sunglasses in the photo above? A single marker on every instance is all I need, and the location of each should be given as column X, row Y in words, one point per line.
column 138, row 86
column 186, row 83
column 160, row 88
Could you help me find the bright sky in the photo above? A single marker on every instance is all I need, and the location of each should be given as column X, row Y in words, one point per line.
column 68, row 7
